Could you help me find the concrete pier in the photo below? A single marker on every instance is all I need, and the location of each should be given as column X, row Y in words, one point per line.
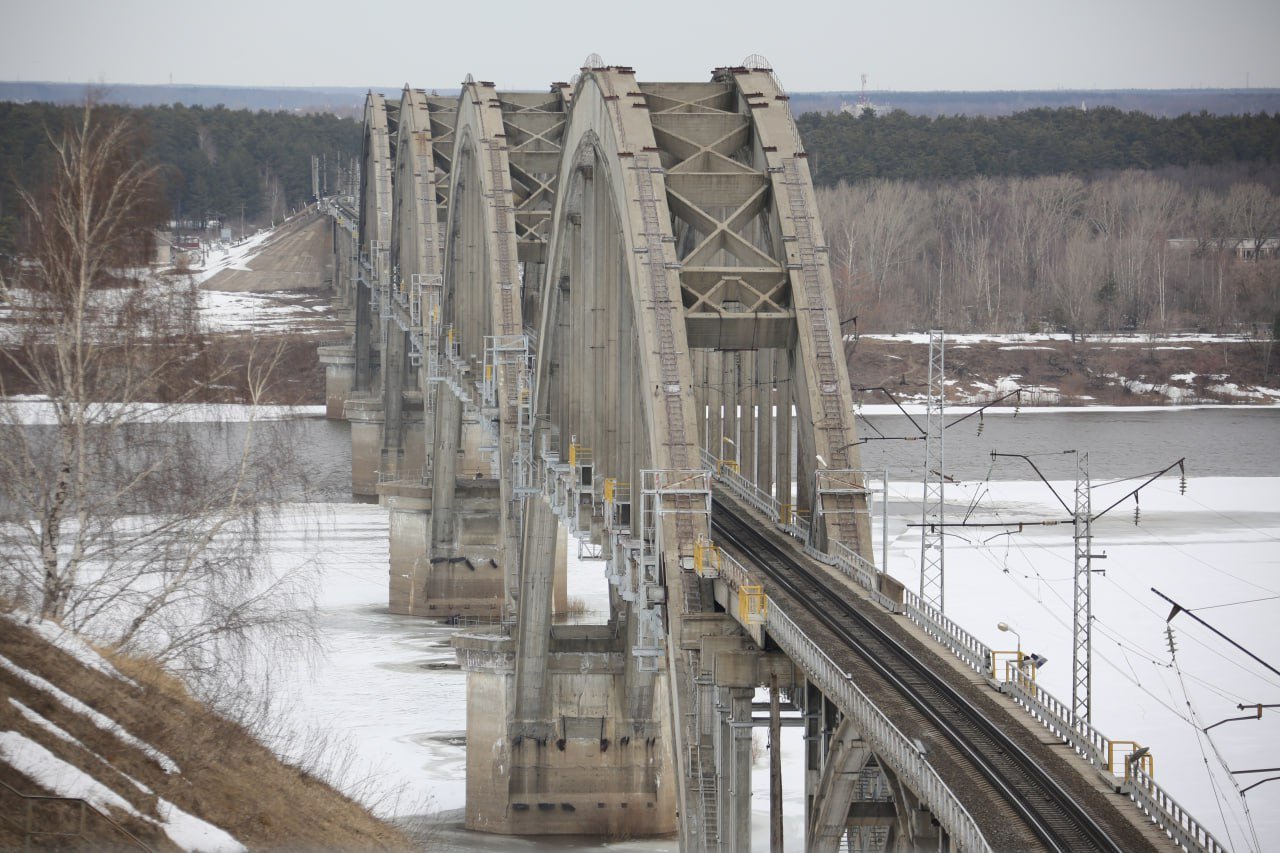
column 339, row 375
column 365, row 415
column 587, row 769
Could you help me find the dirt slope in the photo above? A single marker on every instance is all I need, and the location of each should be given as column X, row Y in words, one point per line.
column 159, row 753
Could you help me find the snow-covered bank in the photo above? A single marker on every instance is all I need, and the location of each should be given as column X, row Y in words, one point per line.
column 37, row 411
column 1051, row 369
column 1027, row 340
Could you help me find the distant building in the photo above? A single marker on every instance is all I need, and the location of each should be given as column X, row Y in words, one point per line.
column 163, row 256
column 1244, row 248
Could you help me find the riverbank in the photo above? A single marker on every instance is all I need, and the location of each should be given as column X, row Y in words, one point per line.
column 1054, row 370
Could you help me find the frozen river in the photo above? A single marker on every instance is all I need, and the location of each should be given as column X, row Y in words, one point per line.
column 387, row 686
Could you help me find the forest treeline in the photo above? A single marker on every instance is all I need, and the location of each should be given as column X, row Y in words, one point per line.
column 1078, row 220
column 1066, row 219
column 844, row 147
column 1172, row 250
column 216, row 162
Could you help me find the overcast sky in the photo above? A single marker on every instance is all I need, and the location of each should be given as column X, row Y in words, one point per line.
column 813, row 45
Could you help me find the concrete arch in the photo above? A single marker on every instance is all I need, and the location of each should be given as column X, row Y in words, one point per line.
column 475, row 512
column 611, row 360
column 415, row 240
column 375, row 230
column 373, row 269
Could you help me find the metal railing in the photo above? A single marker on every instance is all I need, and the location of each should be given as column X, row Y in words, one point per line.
column 888, row 741
column 70, row 817
column 1184, row 829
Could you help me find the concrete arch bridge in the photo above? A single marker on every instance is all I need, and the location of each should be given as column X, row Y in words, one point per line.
column 603, row 315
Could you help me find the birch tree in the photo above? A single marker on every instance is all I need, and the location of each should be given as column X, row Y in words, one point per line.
column 116, row 518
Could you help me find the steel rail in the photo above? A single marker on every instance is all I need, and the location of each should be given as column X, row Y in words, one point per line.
column 1056, row 818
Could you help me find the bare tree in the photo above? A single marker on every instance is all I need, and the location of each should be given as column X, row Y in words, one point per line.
column 994, row 252
column 1254, row 214
column 974, row 232
column 1075, row 280
column 116, row 518
column 1040, row 211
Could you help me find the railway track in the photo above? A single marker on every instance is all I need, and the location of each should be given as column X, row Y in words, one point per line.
column 1048, row 811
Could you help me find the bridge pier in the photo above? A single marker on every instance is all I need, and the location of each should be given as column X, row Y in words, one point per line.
column 586, row 767
column 339, row 363
column 409, row 530
column 733, row 745
column 365, row 414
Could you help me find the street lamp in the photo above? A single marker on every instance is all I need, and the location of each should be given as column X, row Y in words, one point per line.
column 732, row 464
column 1134, row 759
column 1004, row 626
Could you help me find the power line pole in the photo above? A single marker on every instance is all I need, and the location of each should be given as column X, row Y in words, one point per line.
column 931, row 531
column 1082, row 632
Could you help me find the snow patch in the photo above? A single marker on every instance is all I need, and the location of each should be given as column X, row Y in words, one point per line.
column 1231, row 389
column 191, row 833
column 55, row 635
column 66, row 780
column 100, row 720
column 64, row 735
column 53, row 774
column 1032, row 395
column 49, row 726
column 1140, row 386
column 235, row 257
column 223, row 311
column 39, row 411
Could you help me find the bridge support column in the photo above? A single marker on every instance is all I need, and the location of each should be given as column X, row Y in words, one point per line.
column 736, row 676
column 365, row 415
column 409, row 529
column 393, row 371
column 339, row 376
column 739, row 787
column 586, row 768
column 414, row 429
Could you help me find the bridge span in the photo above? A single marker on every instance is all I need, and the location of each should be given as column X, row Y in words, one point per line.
column 601, row 317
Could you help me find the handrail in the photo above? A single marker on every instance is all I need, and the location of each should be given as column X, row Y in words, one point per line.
column 1184, row 829
column 1051, row 712
column 83, row 804
column 887, row 739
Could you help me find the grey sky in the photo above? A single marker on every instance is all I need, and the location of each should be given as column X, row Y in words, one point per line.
column 522, row 44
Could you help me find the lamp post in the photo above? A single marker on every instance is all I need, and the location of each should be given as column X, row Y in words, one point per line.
column 1134, row 759
column 1005, row 626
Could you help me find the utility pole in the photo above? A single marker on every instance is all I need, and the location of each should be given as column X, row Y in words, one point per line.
column 1082, row 520
column 1082, row 632
column 931, row 531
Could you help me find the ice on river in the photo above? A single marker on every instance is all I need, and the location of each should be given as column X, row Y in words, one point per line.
column 381, row 686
